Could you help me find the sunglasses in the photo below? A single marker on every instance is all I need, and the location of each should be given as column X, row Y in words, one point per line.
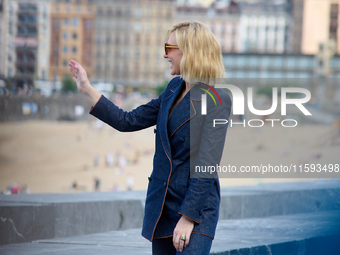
column 168, row 47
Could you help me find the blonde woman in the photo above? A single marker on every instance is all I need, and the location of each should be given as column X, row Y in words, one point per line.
column 182, row 205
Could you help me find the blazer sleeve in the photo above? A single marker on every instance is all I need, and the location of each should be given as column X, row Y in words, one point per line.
column 209, row 154
column 142, row 117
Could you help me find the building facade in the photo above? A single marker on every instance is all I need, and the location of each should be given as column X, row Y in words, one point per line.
column 321, row 22
column 25, row 41
column 8, row 28
column 277, row 66
column 222, row 19
column 129, row 41
column 264, row 26
column 72, row 36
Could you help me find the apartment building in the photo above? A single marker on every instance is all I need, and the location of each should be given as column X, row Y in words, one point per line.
column 321, row 24
column 264, row 26
column 8, row 21
column 72, row 36
column 129, row 41
column 222, row 19
column 24, row 41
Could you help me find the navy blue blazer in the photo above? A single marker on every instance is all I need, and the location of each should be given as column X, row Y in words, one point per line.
column 184, row 140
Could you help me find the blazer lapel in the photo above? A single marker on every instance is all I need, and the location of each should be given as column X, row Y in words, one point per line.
column 166, row 104
column 183, row 112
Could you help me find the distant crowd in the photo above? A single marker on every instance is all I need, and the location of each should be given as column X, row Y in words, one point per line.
column 14, row 189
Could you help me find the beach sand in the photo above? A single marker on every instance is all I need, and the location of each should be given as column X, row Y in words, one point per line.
column 49, row 157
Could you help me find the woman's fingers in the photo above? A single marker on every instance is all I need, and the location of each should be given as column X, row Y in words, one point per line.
column 187, row 239
column 178, row 243
column 181, row 245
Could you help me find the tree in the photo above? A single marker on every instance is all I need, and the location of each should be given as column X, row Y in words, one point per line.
column 160, row 88
column 69, row 85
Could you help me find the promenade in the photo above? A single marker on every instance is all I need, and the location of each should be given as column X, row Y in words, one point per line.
column 285, row 218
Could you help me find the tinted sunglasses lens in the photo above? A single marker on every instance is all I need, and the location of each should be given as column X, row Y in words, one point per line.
column 166, row 49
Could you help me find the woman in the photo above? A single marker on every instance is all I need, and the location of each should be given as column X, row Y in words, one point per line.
column 181, row 209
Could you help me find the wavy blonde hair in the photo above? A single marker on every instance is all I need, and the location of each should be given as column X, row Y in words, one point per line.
column 202, row 58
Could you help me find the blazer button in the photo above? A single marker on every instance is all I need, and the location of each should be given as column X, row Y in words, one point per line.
column 164, row 183
column 181, row 139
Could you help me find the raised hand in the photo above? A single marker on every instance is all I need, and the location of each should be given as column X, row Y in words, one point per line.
column 83, row 84
column 80, row 76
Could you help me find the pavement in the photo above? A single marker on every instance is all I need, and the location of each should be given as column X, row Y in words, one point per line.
column 303, row 233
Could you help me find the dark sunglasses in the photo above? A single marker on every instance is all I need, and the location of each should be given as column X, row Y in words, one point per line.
column 168, row 47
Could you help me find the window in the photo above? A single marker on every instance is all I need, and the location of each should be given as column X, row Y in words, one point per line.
column 291, row 62
column 65, row 35
column 65, row 49
column 304, row 63
column 9, row 73
column 138, row 12
column 56, row 23
column 266, row 62
column 241, row 61
column 64, row 63
column 147, row 27
column 253, row 61
column 65, row 22
column 278, row 62
column 118, row 25
column 138, row 27
column 79, row 8
column 74, row 49
column 126, row 53
column 75, row 22
column 108, row 25
column 88, row 24
column 127, row 26
column 88, row 39
column 74, row 35
column 10, row 28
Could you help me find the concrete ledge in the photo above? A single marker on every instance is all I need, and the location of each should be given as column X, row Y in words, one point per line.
column 279, row 199
column 303, row 234
column 25, row 218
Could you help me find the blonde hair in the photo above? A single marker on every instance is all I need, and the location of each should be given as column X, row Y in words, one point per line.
column 202, row 58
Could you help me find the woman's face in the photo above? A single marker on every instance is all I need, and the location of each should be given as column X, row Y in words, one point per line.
column 174, row 56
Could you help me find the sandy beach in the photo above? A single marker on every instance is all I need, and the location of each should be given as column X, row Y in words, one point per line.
column 49, row 157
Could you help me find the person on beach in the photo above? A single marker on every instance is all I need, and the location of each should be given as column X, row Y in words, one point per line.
column 182, row 206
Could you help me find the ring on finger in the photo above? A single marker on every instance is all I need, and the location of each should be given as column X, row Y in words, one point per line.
column 183, row 238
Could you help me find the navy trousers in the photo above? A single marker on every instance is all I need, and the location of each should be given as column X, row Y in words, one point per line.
column 198, row 245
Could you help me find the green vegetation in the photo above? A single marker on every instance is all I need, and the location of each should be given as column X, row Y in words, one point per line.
column 267, row 90
column 161, row 87
column 69, row 85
